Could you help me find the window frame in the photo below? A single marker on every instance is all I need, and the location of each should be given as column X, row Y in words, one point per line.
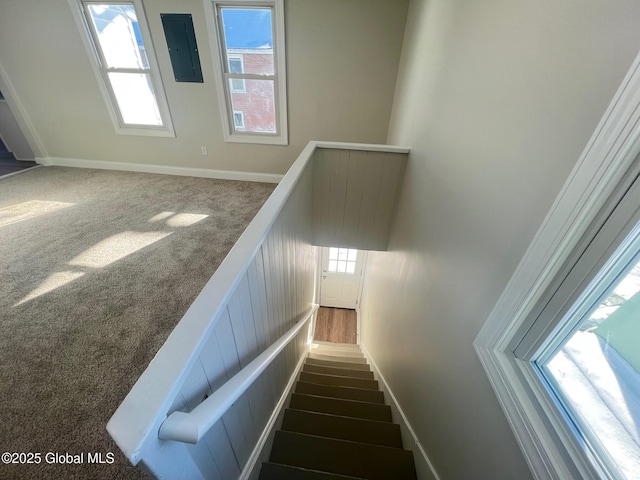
column 238, row 56
column 347, row 262
column 81, row 15
column 596, row 263
column 238, row 112
column 220, row 62
column 606, row 168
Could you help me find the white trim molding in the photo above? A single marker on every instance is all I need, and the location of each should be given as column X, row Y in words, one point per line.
column 546, row 439
column 161, row 169
column 363, row 146
column 424, row 467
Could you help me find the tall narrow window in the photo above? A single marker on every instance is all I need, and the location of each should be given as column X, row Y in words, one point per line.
column 593, row 363
column 583, row 343
column 122, row 53
column 248, row 40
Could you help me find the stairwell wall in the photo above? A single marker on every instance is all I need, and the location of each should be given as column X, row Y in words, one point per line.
column 496, row 101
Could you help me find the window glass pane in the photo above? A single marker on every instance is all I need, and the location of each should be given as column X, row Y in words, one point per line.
column 342, row 254
column 135, row 98
column 333, row 266
column 119, row 35
column 342, row 267
column 351, row 267
column 352, row 255
column 249, row 31
column 333, row 253
column 596, row 373
column 238, row 119
column 235, row 65
column 258, row 104
column 237, row 85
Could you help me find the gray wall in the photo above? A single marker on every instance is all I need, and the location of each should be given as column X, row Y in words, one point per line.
column 496, row 99
column 342, row 62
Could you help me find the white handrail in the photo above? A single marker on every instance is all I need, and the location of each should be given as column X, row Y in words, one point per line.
column 190, row 427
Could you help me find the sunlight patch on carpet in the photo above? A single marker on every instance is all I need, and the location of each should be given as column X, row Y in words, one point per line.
column 185, row 219
column 53, row 281
column 173, row 219
column 161, row 216
column 115, row 248
column 33, row 208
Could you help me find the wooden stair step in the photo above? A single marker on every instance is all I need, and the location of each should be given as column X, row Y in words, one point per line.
column 336, row 346
column 337, row 358
column 345, row 428
column 277, row 471
column 339, row 406
column 339, row 381
column 348, row 393
column 342, row 456
column 338, row 352
column 344, row 372
column 329, row 363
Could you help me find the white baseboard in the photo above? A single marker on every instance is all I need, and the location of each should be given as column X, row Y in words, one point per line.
column 424, row 467
column 160, row 169
column 272, row 425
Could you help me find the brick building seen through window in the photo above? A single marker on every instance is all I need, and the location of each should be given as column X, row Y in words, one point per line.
column 254, row 99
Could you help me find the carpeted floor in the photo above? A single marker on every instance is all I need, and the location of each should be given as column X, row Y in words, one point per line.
column 96, row 268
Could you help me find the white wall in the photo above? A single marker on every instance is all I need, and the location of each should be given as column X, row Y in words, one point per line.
column 342, row 63
column 496, row 99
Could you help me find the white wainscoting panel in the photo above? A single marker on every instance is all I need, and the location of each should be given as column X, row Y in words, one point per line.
column 354, row 195
column 275, row 292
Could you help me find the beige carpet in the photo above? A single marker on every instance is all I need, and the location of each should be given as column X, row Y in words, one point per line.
column 96, row 268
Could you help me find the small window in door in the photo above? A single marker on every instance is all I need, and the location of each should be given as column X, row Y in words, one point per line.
column 342, row 260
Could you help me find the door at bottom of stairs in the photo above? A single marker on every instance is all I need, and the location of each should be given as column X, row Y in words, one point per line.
column 341, row 277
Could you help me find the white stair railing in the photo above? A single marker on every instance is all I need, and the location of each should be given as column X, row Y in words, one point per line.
column 206, row 401
column 190, row 427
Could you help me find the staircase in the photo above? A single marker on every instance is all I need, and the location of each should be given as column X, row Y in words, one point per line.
column 337, row 426
column 8, row 162
column 5, row 154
